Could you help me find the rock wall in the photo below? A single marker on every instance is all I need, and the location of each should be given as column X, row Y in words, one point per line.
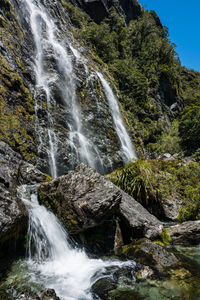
column 99, row 9
column 26, row 130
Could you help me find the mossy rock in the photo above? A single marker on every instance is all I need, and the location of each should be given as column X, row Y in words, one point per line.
column 151, row 254
column 165, row 237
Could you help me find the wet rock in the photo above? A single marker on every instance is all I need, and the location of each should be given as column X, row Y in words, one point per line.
column 83, row 199
column 13, row 172
column 187, row 233
column 112, row 278
column 48, row 294
column 144, row 273
column 149, row 253
column 102, row 287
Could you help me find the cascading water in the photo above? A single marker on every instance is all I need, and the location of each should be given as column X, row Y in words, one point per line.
column 44, row 79
column 49, row 48
column 55, row 82
column 128, row 151
column 52, row 261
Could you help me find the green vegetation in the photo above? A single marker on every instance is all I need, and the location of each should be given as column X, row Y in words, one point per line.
column 169, row 141
column 151, row 182
column 17, row 125
column 149, row 78
column 142, row 60
column 189, row 126
column 165, row 237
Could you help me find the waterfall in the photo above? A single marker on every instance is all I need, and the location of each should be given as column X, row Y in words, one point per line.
column 128, row 151
column 50, row 49
column 55, row 82
column 43, row 81
column 53, row 262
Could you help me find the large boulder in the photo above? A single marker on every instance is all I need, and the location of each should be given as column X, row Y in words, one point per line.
column 187, row 233
column 13, row 172
column 149, row 253
column 171, row 206
column 83, row 199
column 138, row 220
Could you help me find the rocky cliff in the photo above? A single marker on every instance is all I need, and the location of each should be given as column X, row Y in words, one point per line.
column 28, row 110
column 99, row 10
column 138, row 60
column 97, row 82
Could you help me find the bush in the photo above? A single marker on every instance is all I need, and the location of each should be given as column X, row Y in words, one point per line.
column 150, row 182
column 189, row 127
column 169, row 142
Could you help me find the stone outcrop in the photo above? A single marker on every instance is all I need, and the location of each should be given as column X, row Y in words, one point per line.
column 139, row 221
column 83, row 199
column 171, row 206
column 149, row 253
column 99, row 9
column 18, row 95
column 187, row 233
column 48, row 294
column 13, row 172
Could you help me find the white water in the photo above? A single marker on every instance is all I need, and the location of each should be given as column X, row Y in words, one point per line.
column 53, row 262
column 48, row 45
column 128, row 151
column 43, row 80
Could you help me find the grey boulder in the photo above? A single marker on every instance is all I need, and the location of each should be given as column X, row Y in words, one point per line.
column 187, row 233
column 14, row 172
column 82, row 199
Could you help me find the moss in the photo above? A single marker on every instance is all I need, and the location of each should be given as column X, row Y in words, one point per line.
column 165, row 237
column 42, row 197
column 126, row 248
column 77, row 17
column 74, row 222
column 14, row 117
column 48, row 177
column 159, row 242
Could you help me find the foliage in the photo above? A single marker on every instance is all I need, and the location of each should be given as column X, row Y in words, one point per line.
column 139, row 56
column 165, row 236
column 147, row 71
column 77, row 17
column 189, row 126
column 169, row 141
column 151, row 182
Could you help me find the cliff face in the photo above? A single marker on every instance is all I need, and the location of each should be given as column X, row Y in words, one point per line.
column 99, row 9
column 54, row 111
column 16, row 81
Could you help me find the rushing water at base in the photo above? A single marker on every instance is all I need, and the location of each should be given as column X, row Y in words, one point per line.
column 52, row 261
column 128, row 151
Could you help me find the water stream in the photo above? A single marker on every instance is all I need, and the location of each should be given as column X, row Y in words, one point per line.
column 59, row 74
column 55, row 74
column 53, row 260
column 128, row 151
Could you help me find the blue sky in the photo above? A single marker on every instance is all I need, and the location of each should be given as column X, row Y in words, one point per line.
column 182, row 18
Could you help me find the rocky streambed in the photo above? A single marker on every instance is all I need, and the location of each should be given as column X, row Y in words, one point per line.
column 139, row 257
